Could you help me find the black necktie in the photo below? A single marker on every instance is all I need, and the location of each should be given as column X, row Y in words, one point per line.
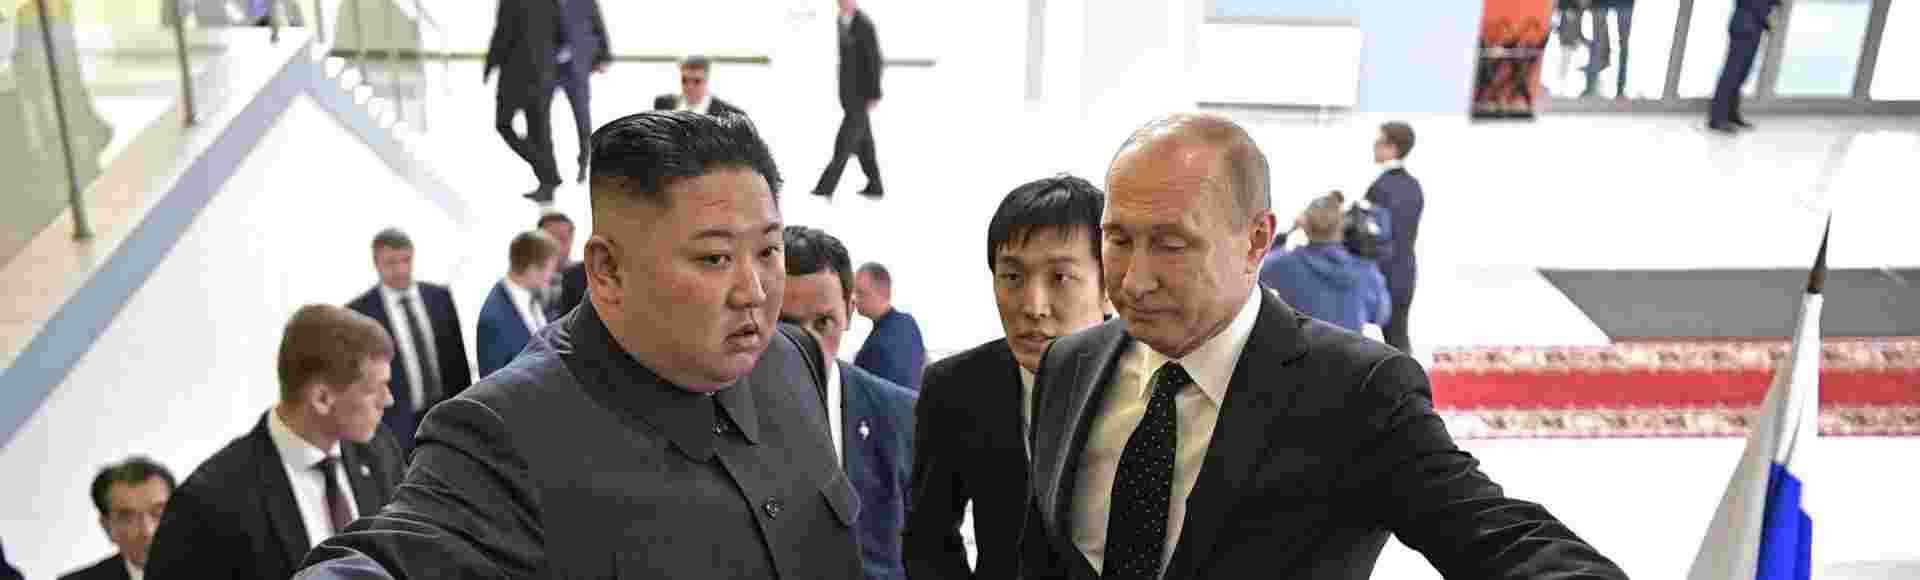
column 429, row 368
column 337, row 512
column 1143, row 485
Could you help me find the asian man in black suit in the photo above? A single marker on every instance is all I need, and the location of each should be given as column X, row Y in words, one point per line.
column 1212, row 432
column 430, row 363
column 696, row 91
column 316, row 460
column 1043, row 251
column 869, row 418
column 669, row 427
column 132, row 497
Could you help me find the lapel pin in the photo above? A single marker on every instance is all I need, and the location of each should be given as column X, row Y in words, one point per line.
column 364, row 472
column 864, row 430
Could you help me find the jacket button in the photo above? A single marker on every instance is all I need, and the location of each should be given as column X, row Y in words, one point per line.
column 772, row 508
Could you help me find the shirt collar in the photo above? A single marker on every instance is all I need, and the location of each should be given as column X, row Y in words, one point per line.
column 517, row 293
column 294, row 451
column 1211, row 365
column 616, row 379
column 133, row 572
column 411, row 291
column 1026, row 378
column 1392, row 164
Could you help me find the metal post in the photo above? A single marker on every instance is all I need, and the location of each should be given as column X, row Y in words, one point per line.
column 1870, row 50
column 320, row 22
column 190, row 116
column 81, row 230
column 360, row 40
column 1681, row 24
column 1773, row 51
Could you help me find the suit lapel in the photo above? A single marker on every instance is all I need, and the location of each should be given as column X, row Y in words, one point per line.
column 1016, row 398
column 276, row 496
column 1257, row 410
column 357, row 460
column 1089, row 383
column 853, row 406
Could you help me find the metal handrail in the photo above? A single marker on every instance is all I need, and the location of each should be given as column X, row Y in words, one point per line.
column 81, row 229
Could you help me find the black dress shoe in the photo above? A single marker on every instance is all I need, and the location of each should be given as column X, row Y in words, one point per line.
column 1722, row 128
column 1740, row 122
column 541, row 195
column 826, row 193
column 873, row 192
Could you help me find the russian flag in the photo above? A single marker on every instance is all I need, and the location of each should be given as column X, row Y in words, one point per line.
column 1761, row 532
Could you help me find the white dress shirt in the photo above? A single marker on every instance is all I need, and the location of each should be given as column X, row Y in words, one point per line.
column 1026, row 410
column 687, row 104
column 309, row 490
column 1197, row 408
column 403, row 338
column 1392, row 164
column 834, row 427
column 134, row 572
column 522, row 299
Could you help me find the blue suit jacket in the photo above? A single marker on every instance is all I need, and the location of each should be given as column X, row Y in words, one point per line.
column 403, row 418
column 501, row 333
column 876, row 437
column 894, row 350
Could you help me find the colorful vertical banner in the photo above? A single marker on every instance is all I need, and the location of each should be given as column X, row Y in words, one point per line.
column 1513, row 36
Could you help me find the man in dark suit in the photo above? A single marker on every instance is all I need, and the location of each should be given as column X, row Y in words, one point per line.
column 894, row 349
column 1212, row 432
column 431, row 362
column 696, row 91
column 860, row 65
column 539, row 45
column 1043, row 250
column 513, row 311
column 1751, row 19
column 667, row 428
column 1398, row 192
column 870, row 419
column 315, row 461
column 569, row 276
column 132, row 497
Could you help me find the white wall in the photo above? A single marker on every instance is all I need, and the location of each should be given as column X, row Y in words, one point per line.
column 188, row 364
column 1416, row 57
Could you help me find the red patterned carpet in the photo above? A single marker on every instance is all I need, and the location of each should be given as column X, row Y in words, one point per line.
column 1868, row 387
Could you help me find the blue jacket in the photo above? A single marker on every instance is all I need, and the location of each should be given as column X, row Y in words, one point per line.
column 1327, row 283
column 876, row 438
column 894, row 350
column 501, row 334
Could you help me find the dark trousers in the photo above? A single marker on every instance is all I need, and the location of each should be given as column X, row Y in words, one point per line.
column 1400, row 286
column 580, row 97
column 537, row 146
column 1742, row 48
column 855, row 138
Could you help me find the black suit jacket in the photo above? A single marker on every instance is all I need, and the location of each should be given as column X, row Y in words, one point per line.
column 526, row 39
column 575, row 461
column 1326, row 443
column 1400, row 193
column 403, row 418
column 970, row 449
column 236, row 516
column 586, row 35
column 573, row 290
column 715, row 106
column 112, row 568
column 860, row 63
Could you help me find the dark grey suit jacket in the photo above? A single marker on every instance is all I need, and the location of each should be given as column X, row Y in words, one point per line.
column 575, row 461
column 112, row 568
column 968, row 448
column 1327, row 442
